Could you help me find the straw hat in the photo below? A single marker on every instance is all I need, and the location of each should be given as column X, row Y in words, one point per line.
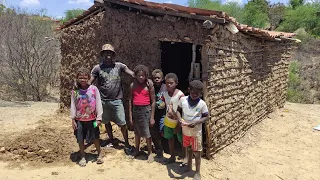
column 107, row 47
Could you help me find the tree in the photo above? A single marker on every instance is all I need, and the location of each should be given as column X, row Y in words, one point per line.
column 302, row 17
column 231, row 8
column 296, row 3
column 2, row 8
column 276, row 14
column 29, row 55
column 256, row 13
column 234, row 9
column 72, row 13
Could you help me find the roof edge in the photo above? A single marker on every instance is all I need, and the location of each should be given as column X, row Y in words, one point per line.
column 180, row 11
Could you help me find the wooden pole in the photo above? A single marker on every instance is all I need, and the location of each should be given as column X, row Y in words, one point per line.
column 204, row 63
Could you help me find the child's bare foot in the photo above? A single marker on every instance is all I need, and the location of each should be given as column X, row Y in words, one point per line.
column 100, row 159
column 83, row 162
column 197, row 176
column 150, row 158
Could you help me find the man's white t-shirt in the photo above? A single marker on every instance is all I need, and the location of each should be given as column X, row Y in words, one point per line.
column 191, row 114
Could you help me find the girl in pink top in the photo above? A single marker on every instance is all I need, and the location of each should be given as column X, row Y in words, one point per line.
column 86, row 114
column 141, row 108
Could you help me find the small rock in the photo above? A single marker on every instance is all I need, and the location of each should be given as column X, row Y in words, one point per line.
column 100, row 170
column 3, row 149
column 25, row 147
column 54, row 173
column 221, row 52
column 47, row 150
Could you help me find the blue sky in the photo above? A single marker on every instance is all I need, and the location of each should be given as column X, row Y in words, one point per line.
column 56, row 8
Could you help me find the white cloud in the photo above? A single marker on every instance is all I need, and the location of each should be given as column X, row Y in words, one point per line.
column 236, row 1
column 169, row 2
column 59, row 17
column 81, row 2
column 29, row 3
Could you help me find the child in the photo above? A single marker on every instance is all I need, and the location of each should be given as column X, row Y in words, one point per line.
column 86, row 114
column 160, row 111
column 171, row 125
column 194, row 112
column 141, row 108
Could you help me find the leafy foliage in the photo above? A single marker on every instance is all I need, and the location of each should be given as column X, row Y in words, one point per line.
column 302, row 17
column 72, row 13
column 256, row 13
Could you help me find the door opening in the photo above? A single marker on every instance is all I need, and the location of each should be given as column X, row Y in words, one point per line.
column 178, row 58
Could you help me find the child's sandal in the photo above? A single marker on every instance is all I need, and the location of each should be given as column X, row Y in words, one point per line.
column 100, row 160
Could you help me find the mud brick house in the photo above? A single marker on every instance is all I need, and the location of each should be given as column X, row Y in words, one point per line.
column 244, row 69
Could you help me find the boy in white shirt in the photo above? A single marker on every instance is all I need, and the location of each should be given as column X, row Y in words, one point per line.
column 194, row 113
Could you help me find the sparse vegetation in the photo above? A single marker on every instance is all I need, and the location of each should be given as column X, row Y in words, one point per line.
column 29, row 56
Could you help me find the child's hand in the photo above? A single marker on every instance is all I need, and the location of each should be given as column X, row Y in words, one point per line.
column 192, row 125
column 74, row 124
column 152, row 121
column 149, row 83
column 98, row 122
column 177, row 130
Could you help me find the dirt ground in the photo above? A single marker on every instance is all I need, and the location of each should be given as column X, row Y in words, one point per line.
column 37, row 143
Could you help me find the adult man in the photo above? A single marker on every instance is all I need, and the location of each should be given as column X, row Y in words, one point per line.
column 108, row 76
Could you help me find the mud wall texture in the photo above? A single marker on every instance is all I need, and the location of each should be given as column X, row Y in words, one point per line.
column 247, row 76
column 79, row 48
column 247, row 80
column 135, row 36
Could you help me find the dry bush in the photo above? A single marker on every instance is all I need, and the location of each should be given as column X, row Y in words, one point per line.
column 308, row 56
column 29, row 54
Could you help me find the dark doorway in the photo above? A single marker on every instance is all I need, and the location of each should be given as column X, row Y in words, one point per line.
column 176, row 58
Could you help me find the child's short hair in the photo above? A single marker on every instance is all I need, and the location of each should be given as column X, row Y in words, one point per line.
column 172, row 76
column 157, row 71
column 196, row 85
column 83, row 70
column 142, row 68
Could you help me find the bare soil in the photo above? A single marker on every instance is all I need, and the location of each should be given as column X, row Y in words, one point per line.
column 38, row 143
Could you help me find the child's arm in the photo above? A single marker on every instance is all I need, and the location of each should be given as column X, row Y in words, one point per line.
column 127, row 70
column 99, row 109
column 73, row 111
column 204, row 118
column 175, row 114
column 91, row 80
column 179, row 112
column 94, row 75
column 153, row 105
column 130, row 104
column 178, row 117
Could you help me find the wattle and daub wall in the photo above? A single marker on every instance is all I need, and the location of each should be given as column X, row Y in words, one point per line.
column 246, row 75
column 247, row 80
